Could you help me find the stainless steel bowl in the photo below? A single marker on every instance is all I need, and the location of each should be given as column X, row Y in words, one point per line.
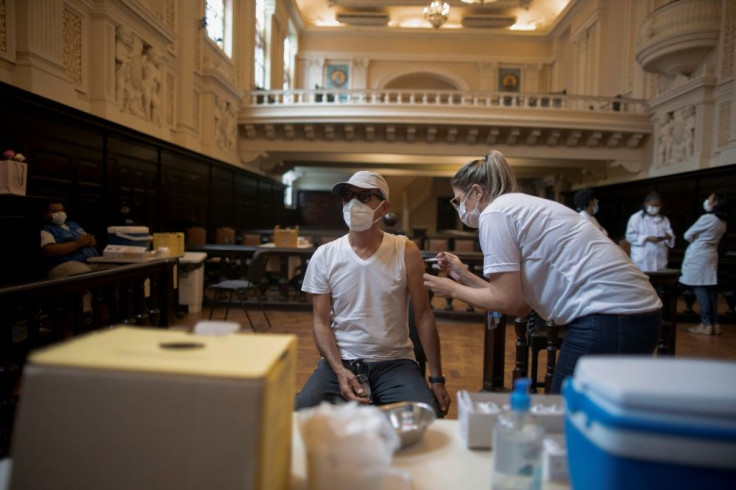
column 409, row 419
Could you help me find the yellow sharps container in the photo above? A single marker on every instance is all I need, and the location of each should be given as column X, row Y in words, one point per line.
column 135, row 408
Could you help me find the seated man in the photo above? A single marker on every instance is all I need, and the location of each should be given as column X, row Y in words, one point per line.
column 361, row 284
column 65, row 244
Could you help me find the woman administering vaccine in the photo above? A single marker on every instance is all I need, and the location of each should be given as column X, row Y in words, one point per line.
column 650, row 235
column 533, row 259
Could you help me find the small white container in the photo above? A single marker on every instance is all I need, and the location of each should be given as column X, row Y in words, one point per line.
column 476, row 425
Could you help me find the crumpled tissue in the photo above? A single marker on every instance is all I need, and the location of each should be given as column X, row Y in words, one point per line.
column 348, row 446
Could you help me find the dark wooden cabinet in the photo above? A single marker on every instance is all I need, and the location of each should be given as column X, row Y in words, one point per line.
column 97, row 167
column 20, row 229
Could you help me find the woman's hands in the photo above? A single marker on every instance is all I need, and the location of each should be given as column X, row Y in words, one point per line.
column 451, row 265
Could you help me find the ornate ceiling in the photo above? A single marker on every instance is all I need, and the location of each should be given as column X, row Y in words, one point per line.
column 525, row 15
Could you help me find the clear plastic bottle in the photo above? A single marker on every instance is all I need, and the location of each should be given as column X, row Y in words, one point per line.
column 517, row 445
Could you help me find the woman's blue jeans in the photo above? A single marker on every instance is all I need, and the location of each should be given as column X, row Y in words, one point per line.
column 606, row 334
column 708, row 302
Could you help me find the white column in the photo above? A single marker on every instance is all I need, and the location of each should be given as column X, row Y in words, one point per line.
column 187, row 64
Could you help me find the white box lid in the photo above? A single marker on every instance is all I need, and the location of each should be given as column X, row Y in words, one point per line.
column 664, row 385
column 193, row 257
column 127, row 229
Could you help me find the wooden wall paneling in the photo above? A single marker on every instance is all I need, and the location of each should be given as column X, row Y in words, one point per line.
column 20, row 224
column 320, row 209
column 133, row 181
column 245, row 203
column 222, row 203
column 682, row 197
column 185, row 191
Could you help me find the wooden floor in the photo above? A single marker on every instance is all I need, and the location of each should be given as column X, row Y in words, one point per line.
column 462, row 344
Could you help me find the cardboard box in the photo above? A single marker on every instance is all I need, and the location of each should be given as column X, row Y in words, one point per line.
column 148, row 408
column 476, row 426
column 286, row 238
column 173, row 241
column 13, row 177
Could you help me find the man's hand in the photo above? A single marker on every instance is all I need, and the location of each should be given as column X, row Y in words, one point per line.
column 442, row 397
column 86, row 240
column 350, row 387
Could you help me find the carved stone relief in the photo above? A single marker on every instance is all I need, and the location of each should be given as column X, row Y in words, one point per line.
column 729, row 39
column 225, row 127
column 724, row 124
column 3, row 28
column 170, row 98
column 138, row 88
column 170, row 14
column 675, row 136
column 73, row 46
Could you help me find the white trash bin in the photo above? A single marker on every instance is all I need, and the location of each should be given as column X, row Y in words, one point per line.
column 191, row 280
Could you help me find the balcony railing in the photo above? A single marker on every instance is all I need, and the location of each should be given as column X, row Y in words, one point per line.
column 445, row 98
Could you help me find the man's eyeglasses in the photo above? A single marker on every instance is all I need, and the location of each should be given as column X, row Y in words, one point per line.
column 362, row 196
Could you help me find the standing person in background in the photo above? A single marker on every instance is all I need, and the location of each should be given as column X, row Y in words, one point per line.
column 650, row 235
column 532, row 258
column 700, row 264
column 65, row 244
column 586, row 205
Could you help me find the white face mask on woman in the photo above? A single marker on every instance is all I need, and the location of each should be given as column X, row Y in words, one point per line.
column 652, row 210
column 706, row 205
column 58, row 218
column 469, row 218
column 358, row 216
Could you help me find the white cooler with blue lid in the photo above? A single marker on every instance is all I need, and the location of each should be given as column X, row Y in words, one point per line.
column 136, row 236
column 646, row 423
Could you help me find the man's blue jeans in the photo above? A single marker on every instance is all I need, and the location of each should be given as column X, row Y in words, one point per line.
column 391, row 382
column 606, row 334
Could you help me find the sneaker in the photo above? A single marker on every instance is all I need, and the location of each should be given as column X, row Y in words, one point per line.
column 705, row 330
column 717, row 329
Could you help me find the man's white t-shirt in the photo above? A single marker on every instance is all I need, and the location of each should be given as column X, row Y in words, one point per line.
column 369, row 298
column 568, row 267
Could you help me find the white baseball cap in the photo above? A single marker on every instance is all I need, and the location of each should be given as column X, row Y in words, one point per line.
column 364, row 179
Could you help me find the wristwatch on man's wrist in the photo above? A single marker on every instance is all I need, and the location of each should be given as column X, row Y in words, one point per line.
column 437, row 379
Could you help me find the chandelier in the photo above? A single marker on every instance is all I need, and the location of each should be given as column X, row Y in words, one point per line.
column 436, row 13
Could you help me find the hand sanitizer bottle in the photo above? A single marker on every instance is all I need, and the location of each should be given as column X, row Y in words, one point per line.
column 517, row 445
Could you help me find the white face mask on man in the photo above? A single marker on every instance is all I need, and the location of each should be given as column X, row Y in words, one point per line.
column 58, row 218
column 358, row 216
column 652, row 210
column 706, row 205
column 469, row 218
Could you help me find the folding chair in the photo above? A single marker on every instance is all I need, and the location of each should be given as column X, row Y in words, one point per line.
column 254, row 276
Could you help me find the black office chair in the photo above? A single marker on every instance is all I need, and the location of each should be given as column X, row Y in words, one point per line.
column 253, row 277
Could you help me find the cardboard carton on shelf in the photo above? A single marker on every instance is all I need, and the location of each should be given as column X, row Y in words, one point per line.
column 285, row 238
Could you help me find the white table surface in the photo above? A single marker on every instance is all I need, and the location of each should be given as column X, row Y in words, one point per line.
column 439, row 461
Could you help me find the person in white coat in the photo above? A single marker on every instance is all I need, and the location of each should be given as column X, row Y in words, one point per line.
column 700, row 264
column 586, row 204
column 650, row 235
